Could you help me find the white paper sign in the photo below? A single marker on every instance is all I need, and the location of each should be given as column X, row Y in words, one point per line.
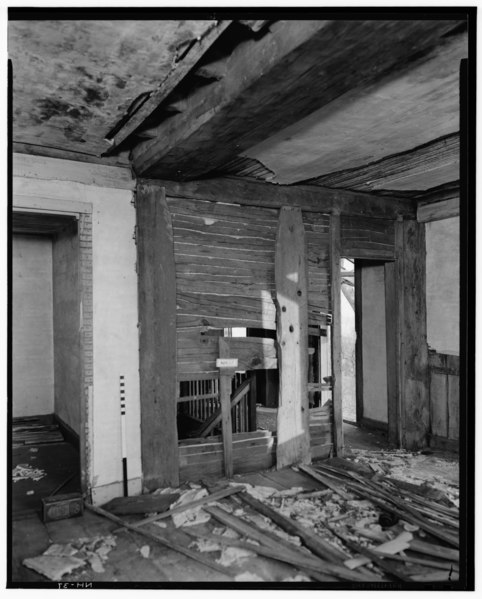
column 227, row 362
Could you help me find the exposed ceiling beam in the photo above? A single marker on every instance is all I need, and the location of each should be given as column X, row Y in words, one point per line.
column 439, row 203
column 179, row 71
column 311, row 199
column 275, row 81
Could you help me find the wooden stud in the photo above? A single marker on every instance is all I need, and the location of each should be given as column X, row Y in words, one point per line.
column 225, row 378
column 336, row 336
column 157, row 338
column 292, row 335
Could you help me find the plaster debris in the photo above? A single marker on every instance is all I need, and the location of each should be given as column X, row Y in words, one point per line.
column 191, row 516
column 248, row 577
column 53, row 567
column 297, row 578
column 145, row 550
column 60, row 559
column 25, row 472
column 232, row 555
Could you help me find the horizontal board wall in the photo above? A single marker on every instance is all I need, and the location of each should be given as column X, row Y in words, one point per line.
column 444, row 398
column 321, row 431
column 201, row 457
column 224, row 259
column 372, row 238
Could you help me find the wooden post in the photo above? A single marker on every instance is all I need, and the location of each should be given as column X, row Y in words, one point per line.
column 293, row 443
column 157, row 337
column 359, row 341
column 414, row 375
column 252, row 402
column 336, row 335
column 225, row 377
column 391, row 324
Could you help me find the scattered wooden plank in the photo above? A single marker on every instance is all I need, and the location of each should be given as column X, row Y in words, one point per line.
column 316, row 544
column 280, row 550
column 162, row 541
column 140, row 504
column 325, row 481
column 189, row 506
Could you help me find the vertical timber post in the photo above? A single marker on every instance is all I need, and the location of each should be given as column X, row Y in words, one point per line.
column 414, row 376
column 225, row 377
column 293, row 442
column 157, row 337
column 335, row 245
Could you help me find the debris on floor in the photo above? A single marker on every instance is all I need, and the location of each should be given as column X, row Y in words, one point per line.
column 363, row 525
column 33, row 431
column 61, row 559
column 25, row 472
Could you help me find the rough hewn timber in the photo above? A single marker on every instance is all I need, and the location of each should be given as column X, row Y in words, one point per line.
column 157, row 338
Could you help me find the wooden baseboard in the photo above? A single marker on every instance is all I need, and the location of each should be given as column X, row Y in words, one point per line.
column 374, row 424
column 444, row 444
column 68, row 432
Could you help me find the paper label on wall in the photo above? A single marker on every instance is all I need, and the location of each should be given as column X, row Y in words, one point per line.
column 227, row 362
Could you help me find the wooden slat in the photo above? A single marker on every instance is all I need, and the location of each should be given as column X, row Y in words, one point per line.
column 444, row 363
column 157, row 339
column 236, row 397
column 292, row 335
column 336, row 336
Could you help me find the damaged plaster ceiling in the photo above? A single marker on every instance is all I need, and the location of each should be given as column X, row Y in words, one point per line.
column 402, row 111
column 73, row 80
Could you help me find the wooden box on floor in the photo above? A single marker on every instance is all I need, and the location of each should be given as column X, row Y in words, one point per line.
column 60, row 507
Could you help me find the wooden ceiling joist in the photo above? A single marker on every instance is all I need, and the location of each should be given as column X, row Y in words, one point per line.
column 248, row 192
column 273, row 82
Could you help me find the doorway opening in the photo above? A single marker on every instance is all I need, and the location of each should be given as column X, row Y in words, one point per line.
column 368, row 342
column 47, row 360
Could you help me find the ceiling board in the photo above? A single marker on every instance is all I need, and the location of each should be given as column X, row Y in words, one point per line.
column 73, row 80
column 399, row 112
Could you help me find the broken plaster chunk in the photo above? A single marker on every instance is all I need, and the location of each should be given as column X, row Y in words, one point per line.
column 297, row 578
column 231, row 555
column 96, row 563
column 248, row 577
column 145, row 551
column 60, row 550
column 53, row 567
column 191, row 516
column 205, row 545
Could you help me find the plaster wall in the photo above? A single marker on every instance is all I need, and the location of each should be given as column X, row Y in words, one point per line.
column 66, row 322
column 442, row 240
column 32, row 334
column 375, row 401
column 114, row 314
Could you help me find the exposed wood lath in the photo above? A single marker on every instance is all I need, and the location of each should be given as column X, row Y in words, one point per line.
column 415, row 169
